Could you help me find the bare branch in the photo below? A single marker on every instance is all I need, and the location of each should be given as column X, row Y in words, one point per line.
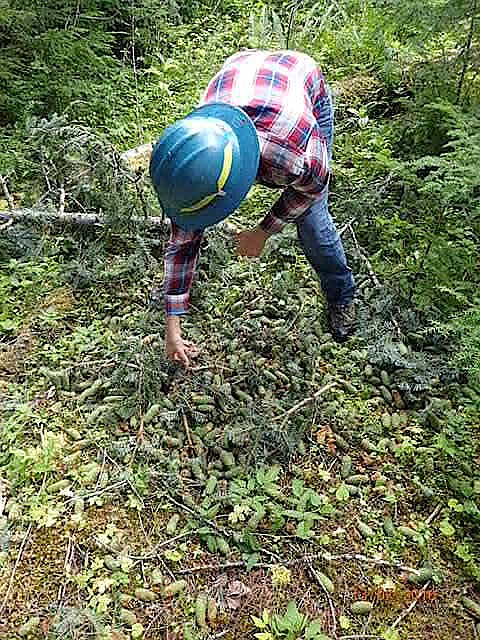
column 467, row 51
column 327, row 557
column 367, row 262
column 314, row 573
column 15, row 567
column 405, row 613
column 61, row 208
column 45, row 216
column 138, row 157
column 6, row 193
column 434, row 514
column 301, row 404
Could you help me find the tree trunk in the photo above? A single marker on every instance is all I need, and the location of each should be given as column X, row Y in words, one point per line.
column 468, row 50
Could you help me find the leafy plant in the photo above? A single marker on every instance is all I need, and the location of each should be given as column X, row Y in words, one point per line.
column 292, row 625
column 266, row 30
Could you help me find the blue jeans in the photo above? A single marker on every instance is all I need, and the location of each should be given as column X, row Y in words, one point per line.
column 318, row 235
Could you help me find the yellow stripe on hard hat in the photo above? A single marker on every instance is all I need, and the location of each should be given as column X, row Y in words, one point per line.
column 222, row 180
column 227, row 166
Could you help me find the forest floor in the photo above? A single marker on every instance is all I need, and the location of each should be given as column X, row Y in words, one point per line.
column 122, row 475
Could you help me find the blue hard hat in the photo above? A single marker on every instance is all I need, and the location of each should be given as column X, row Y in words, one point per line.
column 203, row 166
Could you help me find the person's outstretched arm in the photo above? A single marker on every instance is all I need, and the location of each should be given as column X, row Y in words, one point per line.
column 290, row 206
column 180, row 262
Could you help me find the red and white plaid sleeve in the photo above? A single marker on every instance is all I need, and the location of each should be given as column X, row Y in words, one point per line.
column 180, row 261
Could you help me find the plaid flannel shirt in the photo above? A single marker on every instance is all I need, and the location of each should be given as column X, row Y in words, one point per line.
column 282, row 92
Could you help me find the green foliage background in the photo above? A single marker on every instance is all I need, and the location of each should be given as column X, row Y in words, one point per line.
column 83, row 80
column 408, row 122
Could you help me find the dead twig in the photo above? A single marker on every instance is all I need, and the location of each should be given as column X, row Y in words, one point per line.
column 367, row 262
column 343, row 228
column 152, row 622
column 47, row 180
column 187, row 431
column 327, row 557
column 434, row 514
column 377, row 561
column 157, row 547
column 287, row 330
column 475, row 630
column 205, row 568
column 66, row 567
column 94, row 494
column 100, row 475
column 361, row 637
column 143, row 529
column 371, row 272
column 314, row 573
column 203, row 367
column 15, row 567
column 302, row 403
column 411, row 606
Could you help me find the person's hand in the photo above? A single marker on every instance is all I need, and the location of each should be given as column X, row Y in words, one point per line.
column 179, row 350
column 251, row 243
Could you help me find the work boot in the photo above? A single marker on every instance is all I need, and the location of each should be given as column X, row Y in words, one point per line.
column 341, row 321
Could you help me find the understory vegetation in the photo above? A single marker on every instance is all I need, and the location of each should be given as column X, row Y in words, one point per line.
column 286, row 486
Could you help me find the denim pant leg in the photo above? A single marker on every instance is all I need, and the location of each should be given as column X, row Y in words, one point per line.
column 318, row 235
column 324, row 250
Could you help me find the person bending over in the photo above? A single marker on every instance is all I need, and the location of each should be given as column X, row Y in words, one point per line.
column 266, row 117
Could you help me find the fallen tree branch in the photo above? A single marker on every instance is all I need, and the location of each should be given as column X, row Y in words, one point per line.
column 138, row 157
column 327, row 557
column 434, row 514
column 44, row 216
column 6, row 193
column 61, row 209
